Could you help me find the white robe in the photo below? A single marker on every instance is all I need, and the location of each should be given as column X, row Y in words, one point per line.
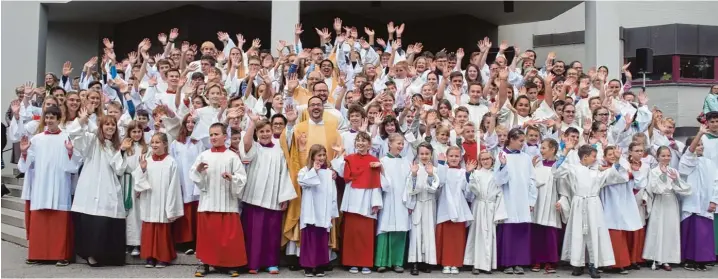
column 160, row 192
column 319, row 198
column 185, row 154
column 394, row 216
column 701, row 175
column 663, row 236
column 519, row 187
column 620, row 206
column 98, row 192
column 710, row 148
column 579, row 188
column 545, row 212
column 133, row 221
column 53, row 185
column 488, row 209
column 453, row 188
column 268, row 184
column 421, row 198
column 216, row 193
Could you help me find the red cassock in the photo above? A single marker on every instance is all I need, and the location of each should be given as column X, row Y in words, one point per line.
column 358, row 241
column 185, row 228
column 450, row 243
column 157, row 243
column 220, row 239
column 50, row 235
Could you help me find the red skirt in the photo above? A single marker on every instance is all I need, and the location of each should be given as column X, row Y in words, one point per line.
column 51, row 237
column 27, row 219
column 358, row 240
column 450, row 243
column 636, row 241
column 156, row 242
column 185, row 228
column 620, row 248
column 220, row 239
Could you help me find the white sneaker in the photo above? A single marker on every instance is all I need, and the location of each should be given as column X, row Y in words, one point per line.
column 446, row 270
column 365, row 270
column 354, row 270
column 454, row 270
column 135, row 252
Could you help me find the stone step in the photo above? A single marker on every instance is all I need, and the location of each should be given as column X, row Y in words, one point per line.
column 15, row 190
column 13, row 218
column 13, row 234
column 10, row 179
column 13, row 203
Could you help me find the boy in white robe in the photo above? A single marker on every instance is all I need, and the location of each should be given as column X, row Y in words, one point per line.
column 50, row 236
column 220, row 176
column 488, row 209
column 697, row 209
column 710, row 150
column 580, row 203
column 394, row 222
column 420, row 196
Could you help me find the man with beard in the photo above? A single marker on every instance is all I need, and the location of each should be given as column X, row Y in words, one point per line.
column 321, row 90
column 320, row 128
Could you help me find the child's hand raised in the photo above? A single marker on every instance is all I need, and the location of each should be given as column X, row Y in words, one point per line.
column 471, row 165
column 414, row 169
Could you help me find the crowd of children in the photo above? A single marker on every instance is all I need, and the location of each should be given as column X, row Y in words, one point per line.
column 380, row 157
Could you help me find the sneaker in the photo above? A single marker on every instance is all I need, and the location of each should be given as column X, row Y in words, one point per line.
column 577, row 271
column 399, row 269
column 536, row 268
column 701, row 267
column 518, row 270
column 666, row 267
column 592, row 271
column 509, row 270
column 634, row 266
column 135, row 252
column 31, row 262
column 689, row 267
column 446, row 270
column 308, row 272
column 150, row 263
column 475, row 271
column 201, row 271
column 415, row 269
column 233, row 273
column 253, row 271
column 189, row 251
column 62, row 263
column 161, row 265
column 550, row 268
column 622, row 271
column 365, row 270
column 273, row 270
column 319, row 272
column 381, row 269
column 454, row 270
column 354, row 270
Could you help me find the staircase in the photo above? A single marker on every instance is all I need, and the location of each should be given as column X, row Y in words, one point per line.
column 13, row 222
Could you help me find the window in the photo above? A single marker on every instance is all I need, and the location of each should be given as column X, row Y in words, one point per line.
column 697, row 67
column 662, row 68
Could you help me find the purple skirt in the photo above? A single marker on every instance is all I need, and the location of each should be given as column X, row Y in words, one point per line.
column 262, row 235
column 314, row 247
column 544, row 244
column 513, row 242
column 697, row 240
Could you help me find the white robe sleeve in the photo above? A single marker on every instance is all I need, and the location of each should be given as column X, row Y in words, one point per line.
column 141, row 181
column 308, row 178
column 174, row 205
column 239, row 176
column 199, row 178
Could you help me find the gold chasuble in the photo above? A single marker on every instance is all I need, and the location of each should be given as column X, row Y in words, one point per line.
column 325, row 135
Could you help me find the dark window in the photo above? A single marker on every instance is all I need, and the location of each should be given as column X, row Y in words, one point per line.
column 697, row 67
column 662, row 68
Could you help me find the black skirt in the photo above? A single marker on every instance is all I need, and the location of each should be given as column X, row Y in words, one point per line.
column 102, row 238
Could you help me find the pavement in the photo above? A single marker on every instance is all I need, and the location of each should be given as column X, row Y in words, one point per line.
column 13, row 266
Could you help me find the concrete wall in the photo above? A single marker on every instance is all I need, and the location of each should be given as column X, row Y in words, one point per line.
column 74, row 42
column 24, row 27
column 680, row 102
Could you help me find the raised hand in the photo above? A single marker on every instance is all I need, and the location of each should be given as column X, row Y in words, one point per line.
column 15, row 107
column 503, row 73
column 223, row 36
column 24, row 144
column 67, row 68
column 68, row 146
column 536, row 159
column 317, row 165
column 414, row 168
column 503, row 46
column 338, row 148
column 471, row 165
column 298, row 29
column 381, row 42
column 126, row 144
column 108, row 44
column 399, row 30
column 390, row 27
column 338, row 25
column 174, row 33
column 290, row 113
column 442, row 156
column 369, row 32
column 502, row 158
column 642, row 98
column 240, row 40
column 625, row 66
column 256, row 43
column 202, row 167
column 429, row 169
column 673, row 174
column 364, row 125
column 143, row 162
column 162, row 37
